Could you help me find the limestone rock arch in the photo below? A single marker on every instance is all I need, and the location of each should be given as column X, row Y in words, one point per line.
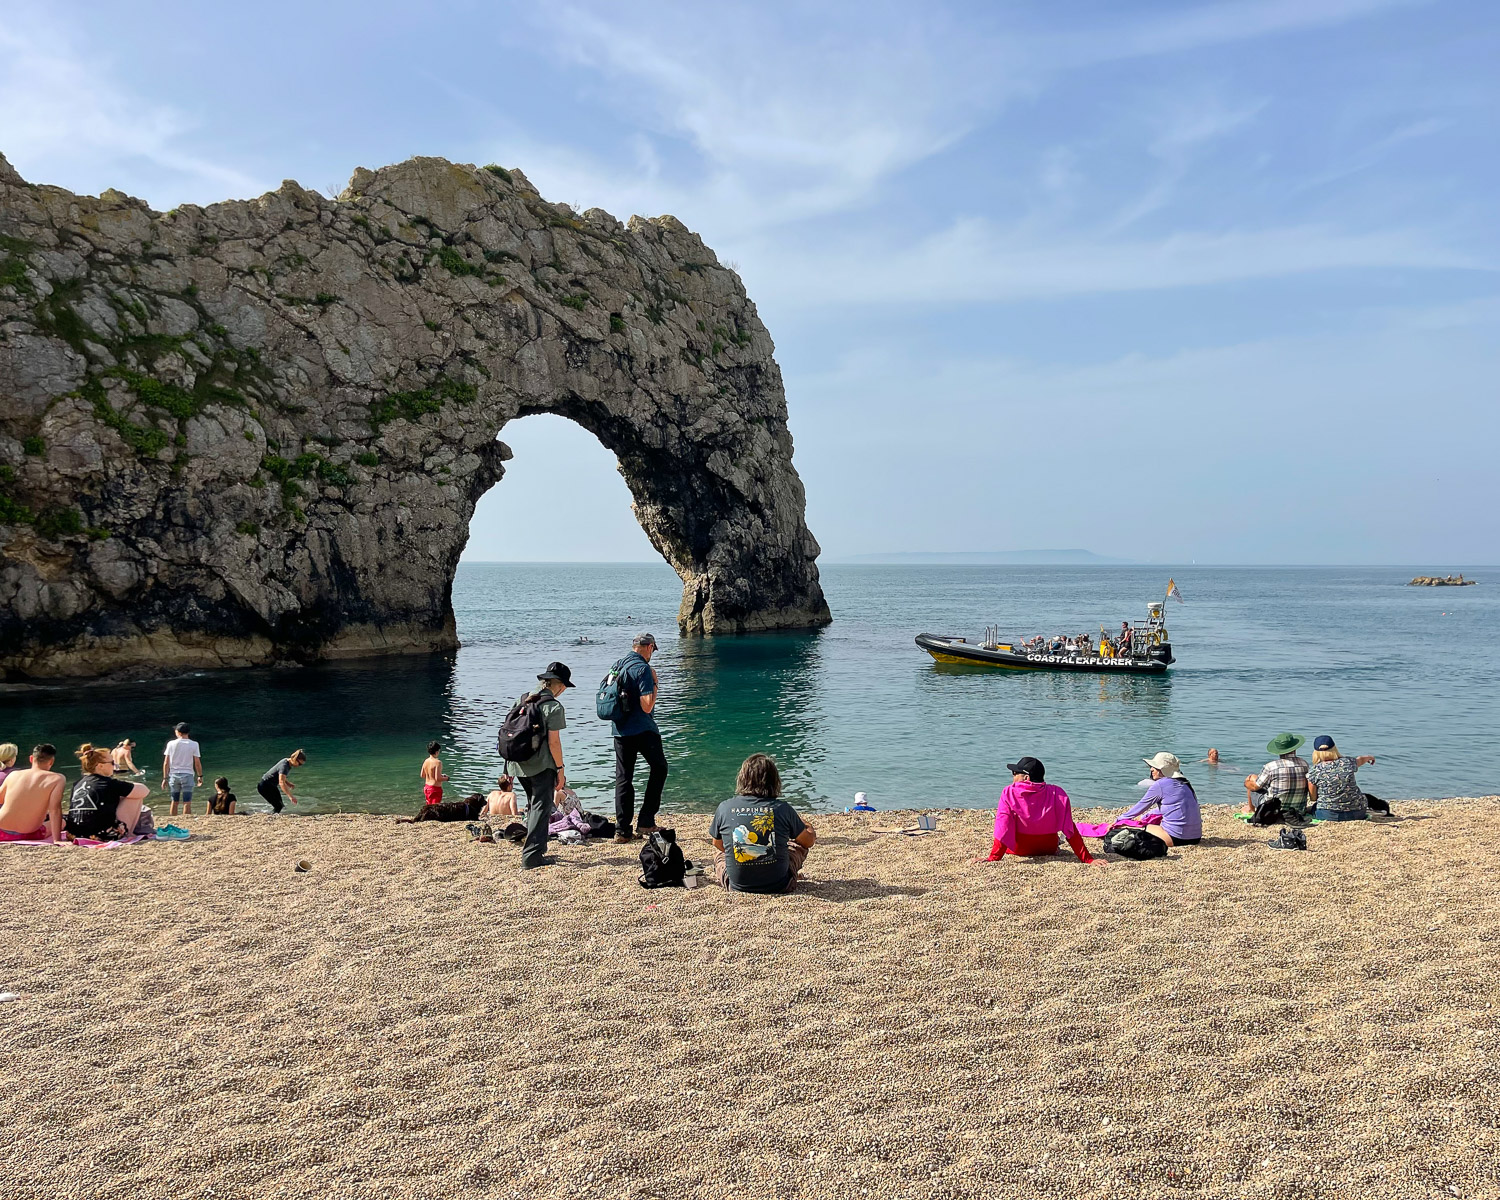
column 257, row 431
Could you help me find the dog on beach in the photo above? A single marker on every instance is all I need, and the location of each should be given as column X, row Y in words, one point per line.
column 449, row 810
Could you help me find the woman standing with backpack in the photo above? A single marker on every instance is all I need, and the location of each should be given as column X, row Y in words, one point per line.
column 531, row 743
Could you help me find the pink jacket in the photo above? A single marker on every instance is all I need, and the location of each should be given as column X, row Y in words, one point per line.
column 1030, row 816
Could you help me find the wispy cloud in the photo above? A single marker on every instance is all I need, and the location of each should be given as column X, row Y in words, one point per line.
column 974, row 260
column 66, row 121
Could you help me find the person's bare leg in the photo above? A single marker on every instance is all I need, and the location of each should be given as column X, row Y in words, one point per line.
column 128, row 813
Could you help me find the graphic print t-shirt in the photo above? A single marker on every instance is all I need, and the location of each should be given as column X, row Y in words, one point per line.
column 757, row 836
column 95, row 798
column 179, row 754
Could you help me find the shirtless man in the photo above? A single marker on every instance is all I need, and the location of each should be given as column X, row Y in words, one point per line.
column 432, row 774
column 31, row 801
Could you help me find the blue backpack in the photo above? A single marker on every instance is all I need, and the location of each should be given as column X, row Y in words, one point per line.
column 612, row 701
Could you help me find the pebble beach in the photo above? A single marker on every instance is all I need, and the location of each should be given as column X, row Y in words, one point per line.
column 416, row 1017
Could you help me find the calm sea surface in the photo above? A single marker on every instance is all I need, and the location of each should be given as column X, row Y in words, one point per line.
column 1406, row 674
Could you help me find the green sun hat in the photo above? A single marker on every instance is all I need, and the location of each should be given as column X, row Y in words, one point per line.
column 1284, row 743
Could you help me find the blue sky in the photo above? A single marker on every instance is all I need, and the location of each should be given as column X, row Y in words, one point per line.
column 1163, row 280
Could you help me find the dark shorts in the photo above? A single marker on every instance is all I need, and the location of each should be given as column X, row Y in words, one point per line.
column 1177, row 841
column 1323, row 814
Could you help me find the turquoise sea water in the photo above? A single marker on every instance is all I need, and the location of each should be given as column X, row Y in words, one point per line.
column 1406, row 674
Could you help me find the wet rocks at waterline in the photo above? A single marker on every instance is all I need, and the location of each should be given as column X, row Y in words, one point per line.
column 257, row 431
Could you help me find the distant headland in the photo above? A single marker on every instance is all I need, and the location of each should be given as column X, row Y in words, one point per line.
column 981, row 557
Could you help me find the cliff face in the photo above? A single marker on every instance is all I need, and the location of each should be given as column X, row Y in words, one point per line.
column 257, row 431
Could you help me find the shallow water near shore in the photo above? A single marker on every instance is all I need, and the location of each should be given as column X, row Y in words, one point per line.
column 1404, row 673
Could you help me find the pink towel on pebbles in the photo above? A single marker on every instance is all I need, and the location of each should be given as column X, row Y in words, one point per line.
column 1099, row 830
column 88, row 843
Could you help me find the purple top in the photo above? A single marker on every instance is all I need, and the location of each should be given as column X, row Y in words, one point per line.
column 1179, row 807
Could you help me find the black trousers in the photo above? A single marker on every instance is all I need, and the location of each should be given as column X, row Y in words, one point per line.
column 539, row 790
column 648, row 746
column 270, row 792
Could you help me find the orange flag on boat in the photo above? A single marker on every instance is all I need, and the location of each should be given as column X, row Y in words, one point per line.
column 1173, row 593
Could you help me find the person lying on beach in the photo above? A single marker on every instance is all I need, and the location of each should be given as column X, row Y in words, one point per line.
column 222, row 802
column 1031, row 814
column 1331, row 784
column 1283, row 779
column 468, row 809
column 502, row 801
column 9, row 752
column 768, row 841
column 1169, row 809
column 102, row 806
column 31, row 801
column 432, row 774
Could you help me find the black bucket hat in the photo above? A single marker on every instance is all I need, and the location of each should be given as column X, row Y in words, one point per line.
column 558, row 671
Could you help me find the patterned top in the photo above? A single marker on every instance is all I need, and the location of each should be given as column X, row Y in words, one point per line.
column 1338, row 790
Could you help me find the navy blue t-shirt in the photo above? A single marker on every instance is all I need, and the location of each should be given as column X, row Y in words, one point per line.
column 636, row 680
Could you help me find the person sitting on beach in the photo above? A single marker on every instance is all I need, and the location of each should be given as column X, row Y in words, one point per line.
column 102, row 806
column 222, row 802
column 502, row 801
column 277, row 782
column 1031, row 814
column 124, row 756
column 432, row 774
column 9, row 752
column 767, row 838
column 1284, row 778
column 1176, row 818
column 31, row 801
column 1331, row 784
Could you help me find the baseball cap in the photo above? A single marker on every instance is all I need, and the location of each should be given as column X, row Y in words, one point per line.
column 1028, row 766
column 643, row 639
column 1322, row 742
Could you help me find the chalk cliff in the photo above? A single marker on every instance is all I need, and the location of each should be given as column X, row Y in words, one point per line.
column 256, row 432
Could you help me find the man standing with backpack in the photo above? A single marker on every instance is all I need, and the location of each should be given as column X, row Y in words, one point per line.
column 531, row 743
column 628, row 701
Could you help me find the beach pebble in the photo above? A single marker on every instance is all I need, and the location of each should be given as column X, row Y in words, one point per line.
column 8, row 997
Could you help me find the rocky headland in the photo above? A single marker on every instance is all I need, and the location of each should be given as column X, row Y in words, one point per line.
column 256, row 432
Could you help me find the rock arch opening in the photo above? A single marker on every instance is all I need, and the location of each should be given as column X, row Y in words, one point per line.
column 590, row 514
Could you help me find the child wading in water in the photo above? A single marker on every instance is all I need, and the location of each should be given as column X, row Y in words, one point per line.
column 432, row 774
column 223, row 800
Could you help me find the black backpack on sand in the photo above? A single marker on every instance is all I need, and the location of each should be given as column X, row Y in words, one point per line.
column 1129, row 842
column 523, row 732
column 662, row 864
column 1268, row 812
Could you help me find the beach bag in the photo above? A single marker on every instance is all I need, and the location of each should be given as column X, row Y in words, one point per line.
column 662, row 864
column 145, row 824
column 1129, row 842
column 523, row 732
column 612, row 701
column 1268, row 812
column 599, row 827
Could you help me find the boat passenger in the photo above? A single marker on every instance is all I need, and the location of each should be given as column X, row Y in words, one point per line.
column 1030, row 815
column 1176, row 818
column 1284, row 778
column 1331, row 784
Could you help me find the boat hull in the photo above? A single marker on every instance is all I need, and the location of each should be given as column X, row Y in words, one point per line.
column 958, row 651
